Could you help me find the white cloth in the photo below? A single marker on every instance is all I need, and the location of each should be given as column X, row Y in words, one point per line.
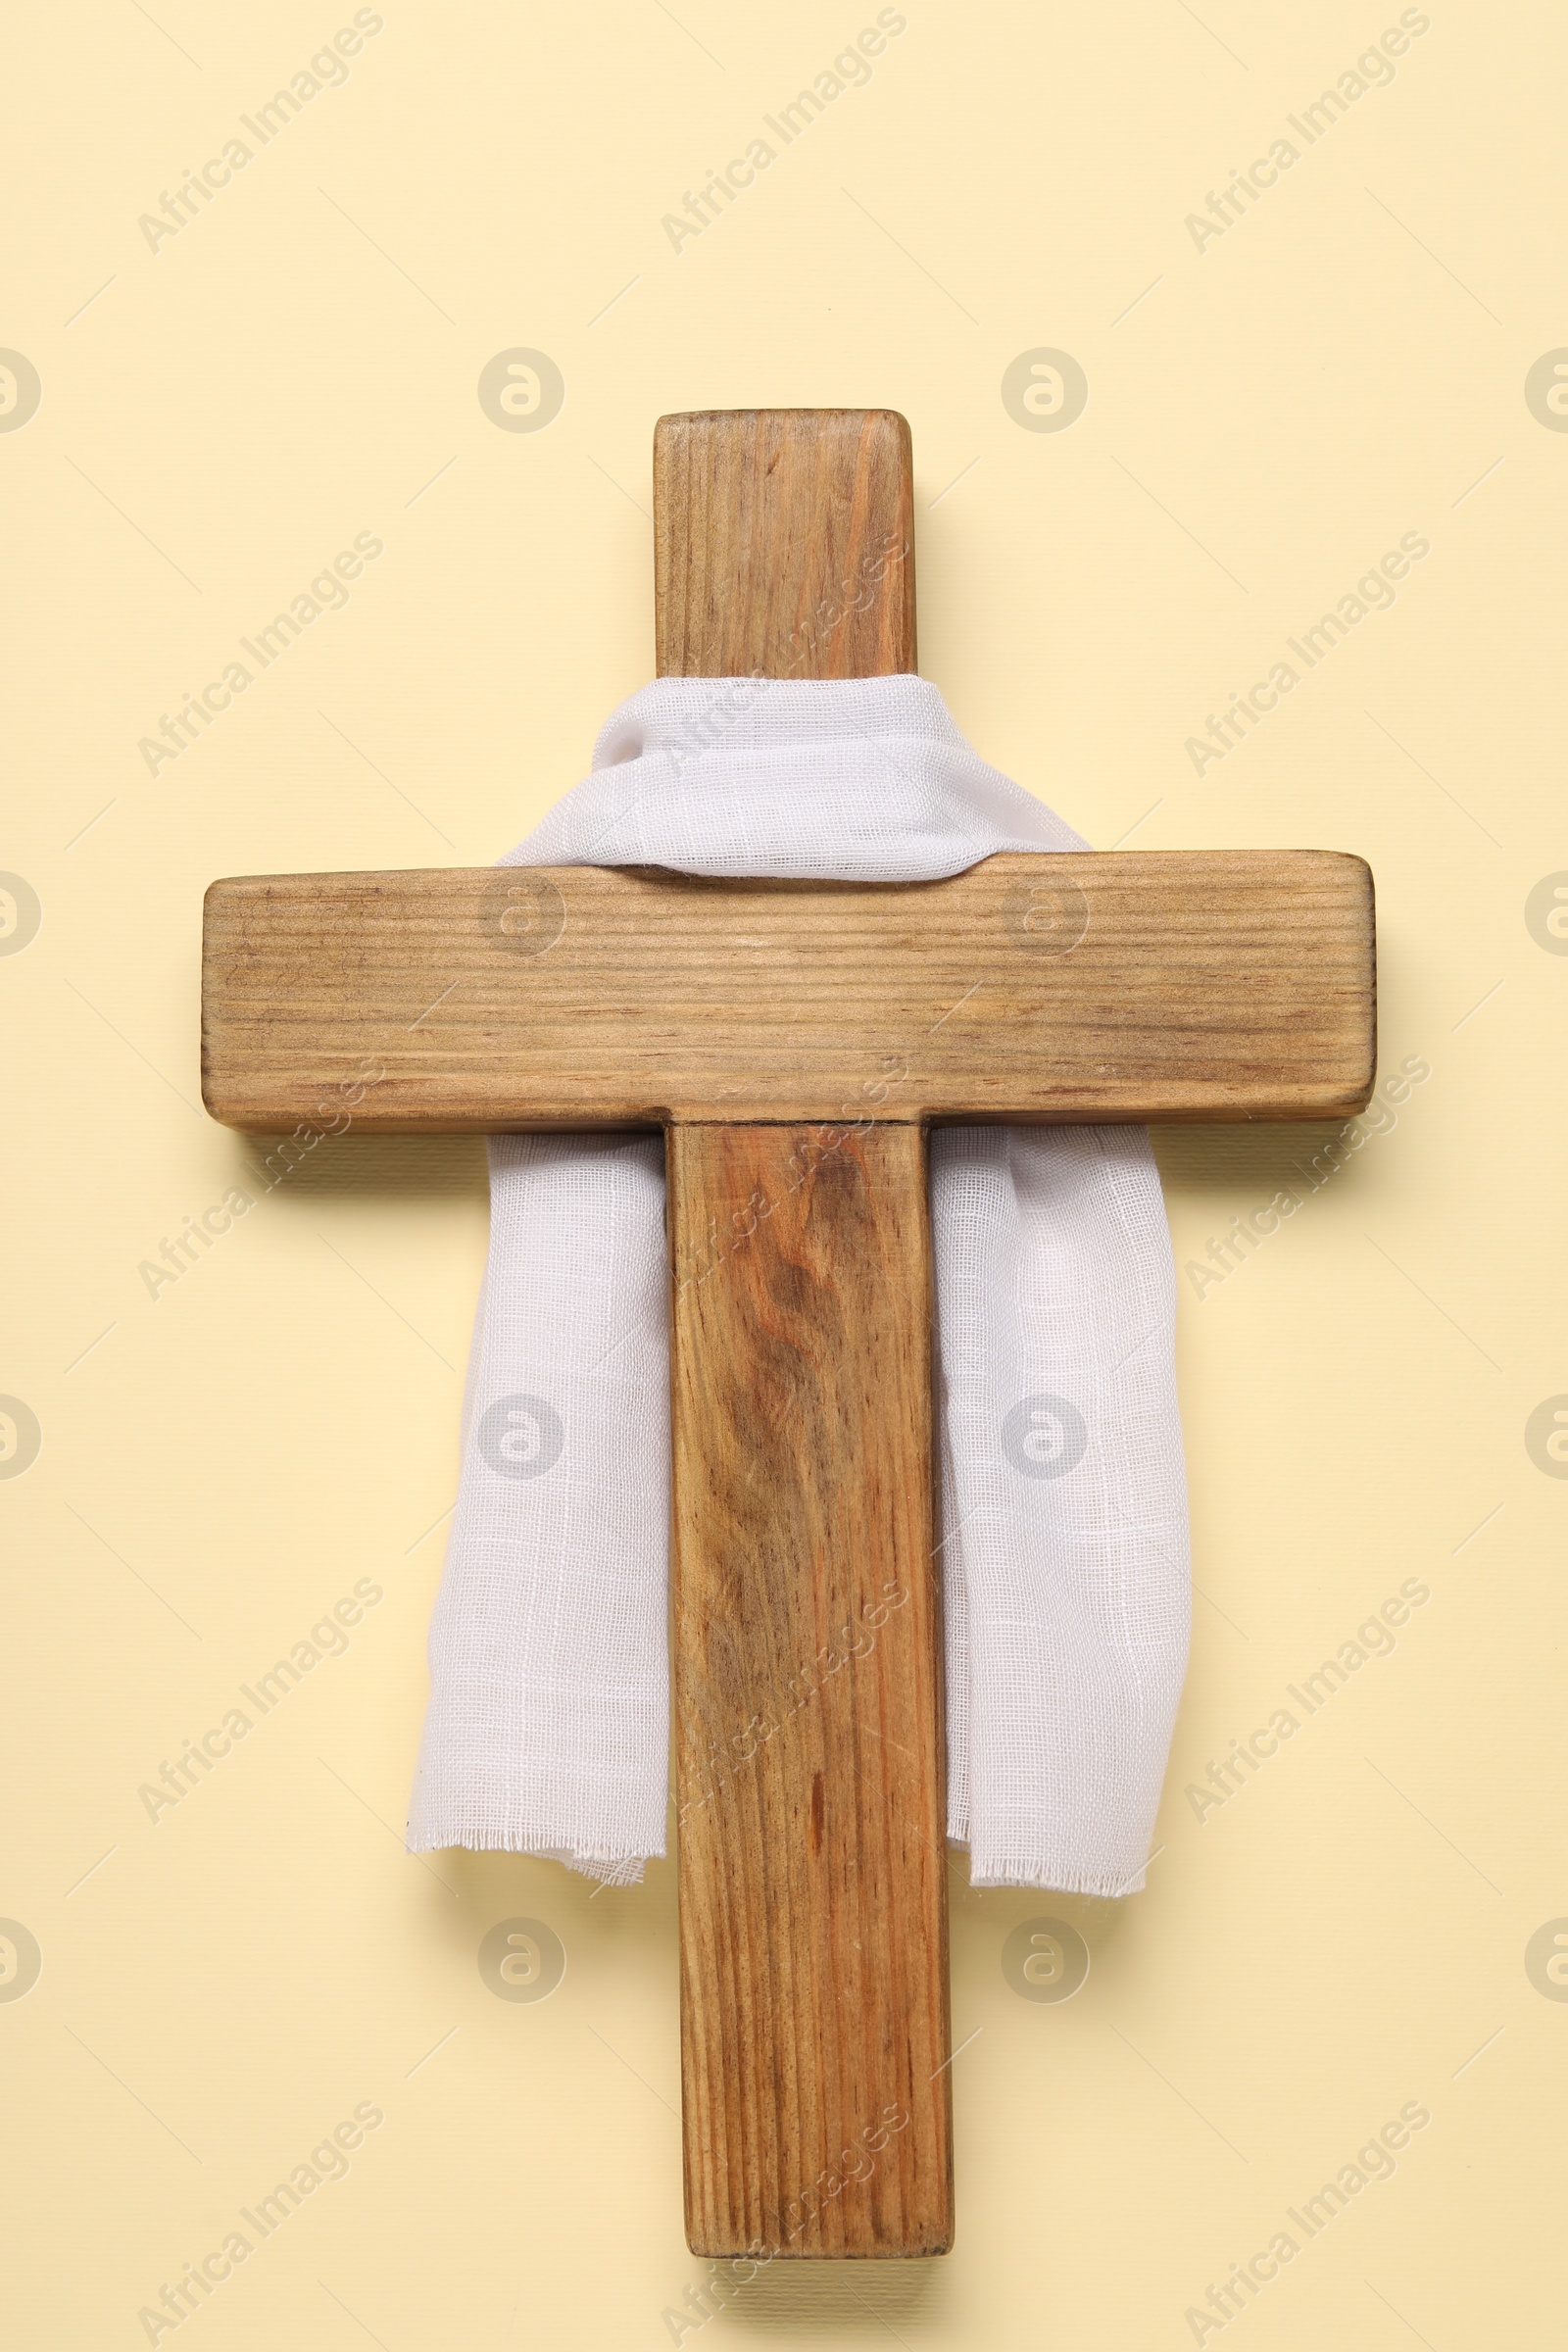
column 1064, row 1517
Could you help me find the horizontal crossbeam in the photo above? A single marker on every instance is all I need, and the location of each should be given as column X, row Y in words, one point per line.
column 1054, row 988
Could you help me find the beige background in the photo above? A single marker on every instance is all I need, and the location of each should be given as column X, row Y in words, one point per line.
column 1266, row 417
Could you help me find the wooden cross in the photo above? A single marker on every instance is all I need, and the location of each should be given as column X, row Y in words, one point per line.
column 795, row 1040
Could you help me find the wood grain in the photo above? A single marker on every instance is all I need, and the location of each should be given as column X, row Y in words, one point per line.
column 1230, row 985
column 809, row 1758
column 784, row 544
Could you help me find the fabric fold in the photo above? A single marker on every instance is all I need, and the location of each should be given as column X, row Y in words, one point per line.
column 1063, row 1524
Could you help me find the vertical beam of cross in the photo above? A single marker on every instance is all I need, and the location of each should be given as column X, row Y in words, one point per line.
column 805, row 1619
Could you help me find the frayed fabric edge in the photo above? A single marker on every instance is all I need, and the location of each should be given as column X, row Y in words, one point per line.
column 1054, row 1878
column 611, row 1870
column 626, row 1870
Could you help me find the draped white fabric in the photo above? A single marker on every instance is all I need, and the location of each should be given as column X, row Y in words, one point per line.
column 1063, row 1498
